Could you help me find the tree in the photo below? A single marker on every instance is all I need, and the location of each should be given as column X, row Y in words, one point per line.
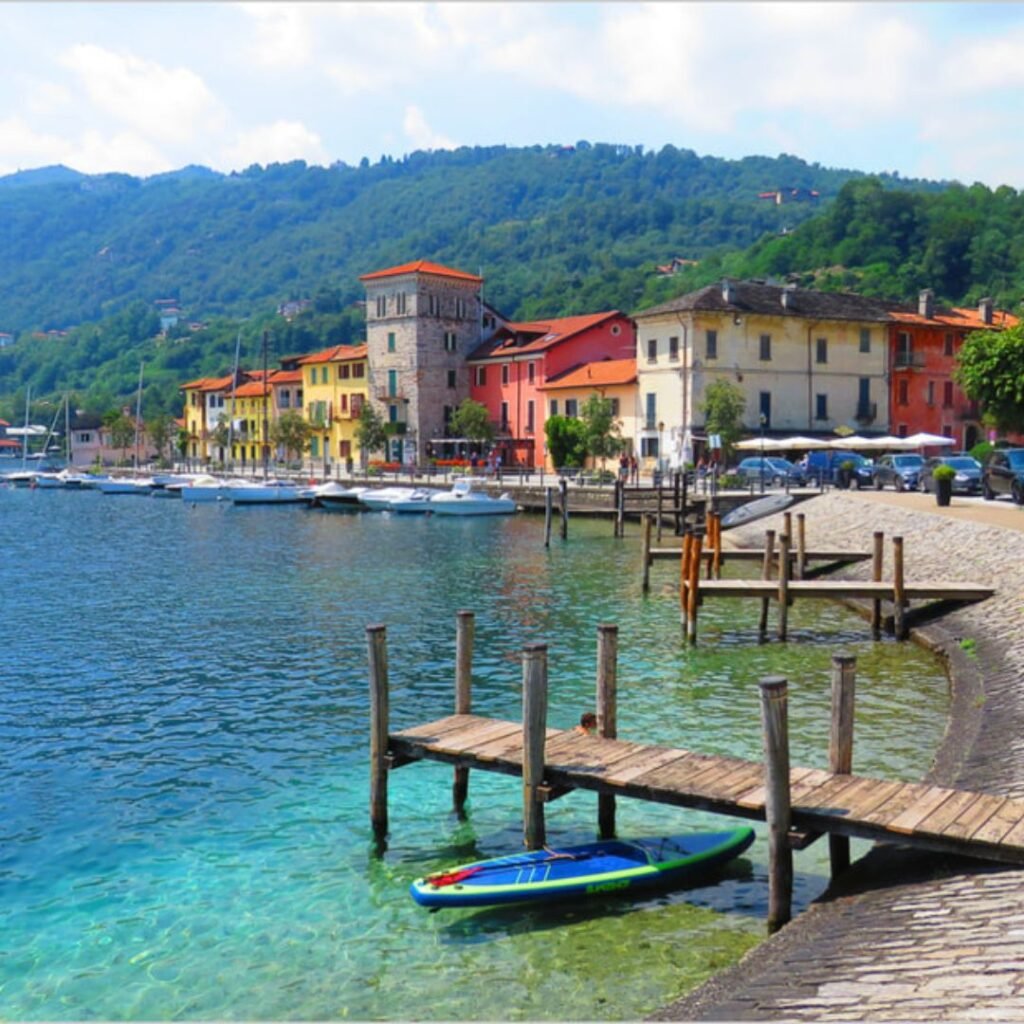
column 291, row 432
column 122, row 433
column 990, row 369
column 371, row 433
column 472, row 421
column 567, row 442
column 159, row 432
column 602, row 431
column 723, row 407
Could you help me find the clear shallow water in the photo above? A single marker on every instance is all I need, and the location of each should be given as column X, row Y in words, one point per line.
column 183, row 761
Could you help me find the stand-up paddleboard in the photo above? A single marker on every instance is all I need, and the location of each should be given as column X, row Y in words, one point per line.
column 758, row 509
column 591, row 869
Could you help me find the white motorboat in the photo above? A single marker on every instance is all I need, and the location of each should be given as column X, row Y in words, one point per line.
column 202, row 488
column 337, row 497
column 468, row 498
column 379, row 499
column 126, row 485
column 270, row 492
column 419, row 501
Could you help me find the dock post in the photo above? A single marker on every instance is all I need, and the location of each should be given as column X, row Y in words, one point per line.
column 775, row 730
column 840, row 745
column 659, row 511
column 717, row 519
column 877, row 559
column 535, row 713
column 548, row 502
column 899, row 617
column 646, row 548
column 607, row 714
column 801, row 546
column 783, row 585
column 681, row 499
column 620, row 511
column 680, row 523
column 684, row 576
column 377, row 650
column 766, row 574
column 563, row 487
column 787, row 524
column 464, row 629
column 693, row 588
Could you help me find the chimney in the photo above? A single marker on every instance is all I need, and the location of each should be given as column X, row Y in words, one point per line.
column 786, row 296
column 926, row 303
column 985, row 310
column 728, row 292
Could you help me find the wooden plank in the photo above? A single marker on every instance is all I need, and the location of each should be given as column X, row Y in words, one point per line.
column 753, row 798
column 908, row 820
column 902, row 798
column 947, row 813
column 972, row 818
column 434, row 730
column 831, row 795
column 466, row 741
column 864, row 804
column 999, row 824
column 1015, row 835
column 650, row 759
column 739, row 781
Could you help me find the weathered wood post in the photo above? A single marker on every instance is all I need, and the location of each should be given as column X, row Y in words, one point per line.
column 787, row 524
column 766, row 574
column 377, row 651
column 783, row 585
column 535, row 714
column 620, row 511
column 775, row 730
column 548, row 503
column 646, row 549
column 801, row 546
column 659, row 512
column 464, row 630
column 681, row 499
column 840, row 744
column 684, row 575
column 693, row 588
column 717, row 519
column 680, row 514
column 607, row 714
column 877, row 559
column 899, row 603
column 563, row 487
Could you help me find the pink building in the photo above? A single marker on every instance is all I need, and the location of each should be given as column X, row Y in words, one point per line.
column 508, row 372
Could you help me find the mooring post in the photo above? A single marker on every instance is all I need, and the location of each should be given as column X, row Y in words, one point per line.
column 787, row 524
column 684, row 576
column 783, row 585
column 535, row 714
column 681, row 499
column 877, row 559
column 775, row 730
column 563, row 487
column 620, row 511
column 548, row 502
column 464, row 629
column 659, row 511
column 766, row 574
column 717, row 518
column 377, row 651
column 646, row 549
column 801, row 546
column 840, row 745
column 607, row 714
column 680, row 514
column 693, row 588
column 899, row 610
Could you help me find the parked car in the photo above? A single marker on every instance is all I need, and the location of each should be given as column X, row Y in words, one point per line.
column 898, row 470
column 1004, row 474
column 823, row 466
column 775, row 471
column 968, row 473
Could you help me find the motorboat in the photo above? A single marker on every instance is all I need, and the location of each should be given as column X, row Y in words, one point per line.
column 126, row 485
column 202, row 488
column 468, row 498
column 419, row 501
column 337, row 497
column 169, row 485
column 379, row 499
column 269, row 492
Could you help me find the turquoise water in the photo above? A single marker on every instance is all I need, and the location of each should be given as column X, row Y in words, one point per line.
column 183, row 783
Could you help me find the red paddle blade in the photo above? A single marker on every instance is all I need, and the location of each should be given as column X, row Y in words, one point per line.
column 450, row 877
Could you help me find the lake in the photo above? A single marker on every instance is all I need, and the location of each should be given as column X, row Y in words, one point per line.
column 184, row 822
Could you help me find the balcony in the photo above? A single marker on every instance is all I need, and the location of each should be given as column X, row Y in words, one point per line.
column 908, row 361
column 866, row 412
column 384, row 395
column 969, row 412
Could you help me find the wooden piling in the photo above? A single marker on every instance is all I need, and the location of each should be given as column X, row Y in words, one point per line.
column 659, row 512
column 548, row 503
column 607, row 714
column 377, row 651
column 535, row 713
column 693, row 588
column 783, row 586
column 775, row 731
column 718, row 544
column 899, row 602
column 680, row 500
column 840, row 745
column 684, row 575
column 766, row 574
column 877, row 558
column 787, row 524
column 620, row 511
column 646, row 549
column 801, row 546
column 464, row 630
column 563, row 487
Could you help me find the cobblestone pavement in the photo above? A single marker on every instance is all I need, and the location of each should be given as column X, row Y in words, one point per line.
column 907, row 935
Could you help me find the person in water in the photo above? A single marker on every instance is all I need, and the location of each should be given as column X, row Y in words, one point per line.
column 588, row 723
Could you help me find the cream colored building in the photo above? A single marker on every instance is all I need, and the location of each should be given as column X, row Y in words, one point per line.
column 805, row 361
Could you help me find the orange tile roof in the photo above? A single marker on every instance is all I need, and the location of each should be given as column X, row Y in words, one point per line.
column 549, row 332
column 286, row 377
column 603, row 373
column 1000, row 318
column 421, row 267
column 337, row 354
column 251, row 389
column 964, row 318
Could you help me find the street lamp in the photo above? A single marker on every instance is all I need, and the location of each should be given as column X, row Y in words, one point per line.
column 764, row 420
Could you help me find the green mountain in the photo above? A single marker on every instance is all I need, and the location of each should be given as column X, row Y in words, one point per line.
column 554, row 231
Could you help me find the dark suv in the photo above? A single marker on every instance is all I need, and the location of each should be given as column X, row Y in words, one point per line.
column 1004, row 474
column 823, row 465
column 900, row 471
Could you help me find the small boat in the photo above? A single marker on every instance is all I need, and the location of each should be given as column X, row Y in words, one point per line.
column 590, row 869
column 467, row 498
column 336, row 496
column 269, row 492
column 419, row 501
column 758, row 509
column 201, row 488
column 380, row 498
column 126, row 485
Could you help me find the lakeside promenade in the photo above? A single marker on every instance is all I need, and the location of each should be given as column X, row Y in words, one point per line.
column 907, row 935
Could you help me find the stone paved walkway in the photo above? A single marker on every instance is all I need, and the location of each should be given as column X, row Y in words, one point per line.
column 905, row 935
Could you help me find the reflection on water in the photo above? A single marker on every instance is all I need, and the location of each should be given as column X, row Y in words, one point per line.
column 183, row 786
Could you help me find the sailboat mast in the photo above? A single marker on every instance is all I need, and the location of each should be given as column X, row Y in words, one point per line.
column 138, row 416
column 24, row 436
column 67, row 428
column 266, row 413
column 231, row 409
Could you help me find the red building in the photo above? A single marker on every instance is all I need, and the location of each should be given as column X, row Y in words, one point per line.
column 508, row 371
column 923, row 348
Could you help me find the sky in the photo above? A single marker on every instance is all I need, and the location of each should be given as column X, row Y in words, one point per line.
column 925, row 90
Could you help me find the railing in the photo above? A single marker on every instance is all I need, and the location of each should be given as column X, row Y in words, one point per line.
column 908, row 361
column 385, row 395
column 866, row 412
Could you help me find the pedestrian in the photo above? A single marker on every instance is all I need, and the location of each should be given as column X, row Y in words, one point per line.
column 623, row 467
column 634, row 469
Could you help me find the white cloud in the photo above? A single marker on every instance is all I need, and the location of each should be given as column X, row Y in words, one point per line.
column 420, row 134
column 284, row 35
column 279, row 142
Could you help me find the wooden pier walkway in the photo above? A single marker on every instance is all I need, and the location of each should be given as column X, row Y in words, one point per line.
column 932, row 817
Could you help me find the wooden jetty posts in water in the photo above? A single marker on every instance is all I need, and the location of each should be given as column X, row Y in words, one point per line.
column 786, row 576
column 798, row 804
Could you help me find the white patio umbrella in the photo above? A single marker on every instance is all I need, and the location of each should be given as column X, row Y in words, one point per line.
column 849, row 443
column 930, row 440
column 799, row 443
column 756, row 444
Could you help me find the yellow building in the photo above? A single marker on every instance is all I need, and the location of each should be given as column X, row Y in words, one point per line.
column 252, row 417
column 334, row 385
column 206, row 405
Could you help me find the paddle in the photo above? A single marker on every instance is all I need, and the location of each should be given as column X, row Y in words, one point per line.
column 444, row 878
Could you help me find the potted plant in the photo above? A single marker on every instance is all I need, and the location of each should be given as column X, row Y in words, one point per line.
column 845, row 474
column 943, row 477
